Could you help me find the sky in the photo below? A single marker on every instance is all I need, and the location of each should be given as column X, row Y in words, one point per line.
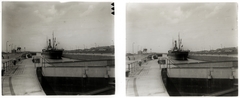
column 75, row 24
column 201, row 26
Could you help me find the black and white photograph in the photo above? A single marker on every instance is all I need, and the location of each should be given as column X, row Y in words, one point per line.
column 58, row 48
column 182, row 49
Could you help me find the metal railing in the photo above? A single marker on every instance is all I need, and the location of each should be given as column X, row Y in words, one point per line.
column 8, row 65
column 169, row 63
column 135, row 66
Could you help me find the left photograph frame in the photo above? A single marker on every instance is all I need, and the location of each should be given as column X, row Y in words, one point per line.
column 54, row 48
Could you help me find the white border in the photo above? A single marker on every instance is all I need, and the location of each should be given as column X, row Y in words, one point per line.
column 120, row 40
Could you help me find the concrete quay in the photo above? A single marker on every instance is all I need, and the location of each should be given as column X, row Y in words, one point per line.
column 146, row 80
column 21, row 79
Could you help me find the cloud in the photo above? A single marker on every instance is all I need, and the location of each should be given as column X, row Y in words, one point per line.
column 176, row 15
column 197, row 23
column 52, row 10
column 72, row 22
column 87, row 11
column 213, row 11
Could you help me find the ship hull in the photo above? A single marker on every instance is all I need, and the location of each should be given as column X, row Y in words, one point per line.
column 53, row 54
column 178, row 55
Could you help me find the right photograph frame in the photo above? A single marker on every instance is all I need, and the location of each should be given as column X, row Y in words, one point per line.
column 181, row 49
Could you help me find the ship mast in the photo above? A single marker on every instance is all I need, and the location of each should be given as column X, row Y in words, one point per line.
column 179, row 42
column 53, row 40
column 47, row 40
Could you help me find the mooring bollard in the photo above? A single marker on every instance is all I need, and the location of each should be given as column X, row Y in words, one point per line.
column 127, row 73
column 14, row 63
column 210, row 73
column 232, row 73
column 107, row 69
column 4, row 67
column 85, row 72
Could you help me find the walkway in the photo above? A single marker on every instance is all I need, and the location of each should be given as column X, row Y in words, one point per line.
column 22, row 80
column 146, row 81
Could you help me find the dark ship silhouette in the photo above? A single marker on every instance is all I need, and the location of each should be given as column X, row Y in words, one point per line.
column 178, row 53
column 51, row 51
